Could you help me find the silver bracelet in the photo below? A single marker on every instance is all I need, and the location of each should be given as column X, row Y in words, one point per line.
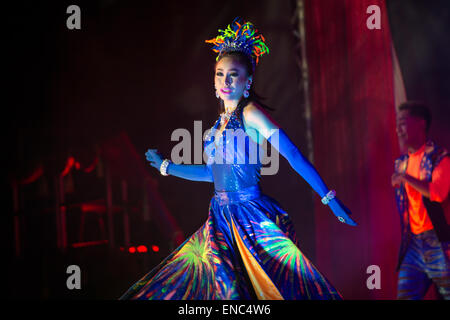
column 163, row 168
column 328, row 197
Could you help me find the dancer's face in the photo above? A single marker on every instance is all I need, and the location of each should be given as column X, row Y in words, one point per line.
column 410, row 130
column 231, row 79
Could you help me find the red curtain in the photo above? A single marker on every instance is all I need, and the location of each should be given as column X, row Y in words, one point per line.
column 353, row 113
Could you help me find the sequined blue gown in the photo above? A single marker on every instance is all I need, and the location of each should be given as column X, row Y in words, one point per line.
column 246, row 249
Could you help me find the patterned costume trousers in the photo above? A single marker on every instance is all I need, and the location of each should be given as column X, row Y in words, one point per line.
column 424, row 263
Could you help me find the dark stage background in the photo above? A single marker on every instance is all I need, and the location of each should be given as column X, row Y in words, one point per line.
column 140, row 70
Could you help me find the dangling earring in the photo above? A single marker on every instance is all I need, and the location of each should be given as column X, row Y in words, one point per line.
column 217, row 92
column 246, row 93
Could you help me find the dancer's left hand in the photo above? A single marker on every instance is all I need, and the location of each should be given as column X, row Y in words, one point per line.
column 397, row 179
column 341, row 212
column 154, row 157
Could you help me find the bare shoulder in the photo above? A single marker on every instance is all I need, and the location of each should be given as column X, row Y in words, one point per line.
column 254, row 114
column 257, row 118
column 253, row 109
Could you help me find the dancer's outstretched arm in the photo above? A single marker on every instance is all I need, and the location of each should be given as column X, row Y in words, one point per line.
column 193, row 172
column 256, row 118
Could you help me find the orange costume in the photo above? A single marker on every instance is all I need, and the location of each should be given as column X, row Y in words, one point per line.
column 439, row 186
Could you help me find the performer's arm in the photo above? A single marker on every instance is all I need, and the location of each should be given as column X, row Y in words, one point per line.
column 193, row 172
column 437, row 189
column 256, row 118
column 421, row 186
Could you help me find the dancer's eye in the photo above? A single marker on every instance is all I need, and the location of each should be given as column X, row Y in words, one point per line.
column 219, row 74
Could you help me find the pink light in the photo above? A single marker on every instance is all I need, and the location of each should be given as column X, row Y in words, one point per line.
column 88, row 243
column 142, row 248
column 92, row 166
column 69, row 165
column 33, row 177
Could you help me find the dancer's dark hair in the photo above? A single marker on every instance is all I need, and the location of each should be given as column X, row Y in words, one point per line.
column 418, row 109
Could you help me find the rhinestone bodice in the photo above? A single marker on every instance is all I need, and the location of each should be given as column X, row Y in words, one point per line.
column 234, row 159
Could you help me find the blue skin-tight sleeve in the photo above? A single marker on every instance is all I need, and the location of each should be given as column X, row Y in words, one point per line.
column 280, row 141
column 193, row 172
column 298, row 162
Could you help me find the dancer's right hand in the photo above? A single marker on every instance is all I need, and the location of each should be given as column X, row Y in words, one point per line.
column 154, row 157
column 341, row 212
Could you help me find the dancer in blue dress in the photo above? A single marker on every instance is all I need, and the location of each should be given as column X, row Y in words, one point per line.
column 247, row 248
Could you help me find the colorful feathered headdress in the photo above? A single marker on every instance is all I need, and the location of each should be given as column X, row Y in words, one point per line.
column 241, row 37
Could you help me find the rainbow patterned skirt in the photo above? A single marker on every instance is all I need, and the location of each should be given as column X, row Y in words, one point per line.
column 246, row 250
